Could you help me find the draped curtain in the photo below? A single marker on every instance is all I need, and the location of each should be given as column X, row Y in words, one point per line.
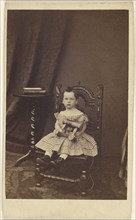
column 34, row 43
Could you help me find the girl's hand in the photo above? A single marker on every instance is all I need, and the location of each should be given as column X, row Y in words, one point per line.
column 71, row 137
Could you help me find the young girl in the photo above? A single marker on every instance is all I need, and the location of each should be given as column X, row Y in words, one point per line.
column 68, row 137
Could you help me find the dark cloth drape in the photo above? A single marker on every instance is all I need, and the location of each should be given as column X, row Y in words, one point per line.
column 34, row 43
column 124, row 157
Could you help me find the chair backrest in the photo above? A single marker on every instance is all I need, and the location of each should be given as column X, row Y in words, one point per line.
column 89, row 103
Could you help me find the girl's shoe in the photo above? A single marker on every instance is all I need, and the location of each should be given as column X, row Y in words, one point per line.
column 58, row 162
column 45, row 160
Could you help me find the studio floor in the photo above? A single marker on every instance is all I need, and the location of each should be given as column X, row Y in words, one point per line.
column 20, row 182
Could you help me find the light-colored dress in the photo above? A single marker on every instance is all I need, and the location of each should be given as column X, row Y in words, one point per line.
column 83, row 145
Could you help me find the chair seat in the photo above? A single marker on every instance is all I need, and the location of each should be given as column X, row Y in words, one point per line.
column 81, row 157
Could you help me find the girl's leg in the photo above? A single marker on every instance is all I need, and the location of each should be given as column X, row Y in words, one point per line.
column 64, row 156
column 49, row 153
column 59, row 161
column 45, row 160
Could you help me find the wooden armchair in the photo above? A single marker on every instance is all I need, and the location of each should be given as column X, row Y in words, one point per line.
column 92, row 105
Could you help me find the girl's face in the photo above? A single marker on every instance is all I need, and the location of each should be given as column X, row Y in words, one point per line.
column 69, row 100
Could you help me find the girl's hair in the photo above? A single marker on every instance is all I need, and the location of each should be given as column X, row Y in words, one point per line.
column 71, row 89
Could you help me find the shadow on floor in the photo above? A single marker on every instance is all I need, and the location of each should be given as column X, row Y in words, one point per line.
column 20, row 182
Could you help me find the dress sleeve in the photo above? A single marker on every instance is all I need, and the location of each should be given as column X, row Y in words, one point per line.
column 58, row 124
column 83, row 118
column 60, row 118
column 56, row 115
column 57, row 128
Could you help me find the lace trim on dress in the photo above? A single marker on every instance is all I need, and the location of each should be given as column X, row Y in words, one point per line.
column 80, row 117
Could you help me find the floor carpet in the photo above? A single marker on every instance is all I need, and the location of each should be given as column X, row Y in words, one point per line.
column 20, row 182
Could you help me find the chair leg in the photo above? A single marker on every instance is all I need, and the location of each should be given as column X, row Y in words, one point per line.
column 38, row 177
column 83, row 183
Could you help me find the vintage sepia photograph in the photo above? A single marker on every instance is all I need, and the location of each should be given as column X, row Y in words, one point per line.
column 67, row 109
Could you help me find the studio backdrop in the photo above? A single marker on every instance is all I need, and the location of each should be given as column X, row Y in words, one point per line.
column 47, row 47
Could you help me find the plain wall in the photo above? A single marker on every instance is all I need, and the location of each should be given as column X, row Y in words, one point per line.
column 95, row 52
